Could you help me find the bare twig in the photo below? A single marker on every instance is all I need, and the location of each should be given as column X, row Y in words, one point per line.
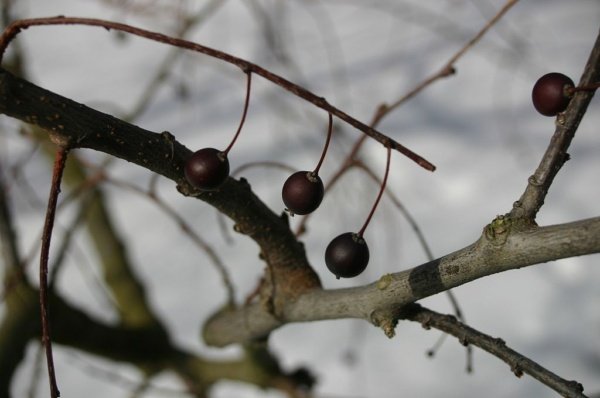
column 59, row 166
column 448, row 69
column 13, row 29
column 187, row 22
column 518, row 363
column 556, row 154
column 385, row 109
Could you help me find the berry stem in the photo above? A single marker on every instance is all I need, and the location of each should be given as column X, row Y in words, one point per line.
column 381, row 190
column 329, row 131
column 59, row 166
column 244, row 112
column 588, row 87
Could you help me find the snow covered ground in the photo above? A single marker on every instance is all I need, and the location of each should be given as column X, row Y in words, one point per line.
column 478, row 127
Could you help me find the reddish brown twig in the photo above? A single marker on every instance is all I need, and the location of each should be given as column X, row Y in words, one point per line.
column 383, row 110
column 248, row 67
column 59, row 166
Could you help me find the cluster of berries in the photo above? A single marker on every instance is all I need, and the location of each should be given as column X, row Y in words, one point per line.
column 347, row 255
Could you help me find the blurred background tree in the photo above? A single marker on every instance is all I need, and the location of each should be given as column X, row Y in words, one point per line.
column 138, row 272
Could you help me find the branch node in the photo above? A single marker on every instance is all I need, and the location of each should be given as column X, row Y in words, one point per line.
column 575, row 385
column 384, row 282
column 533, row 181
column 498, row 230
column 426, row 323
column 516, row 368
column 386, row 321
column 170, row 139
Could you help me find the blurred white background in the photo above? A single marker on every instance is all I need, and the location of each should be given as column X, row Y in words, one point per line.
column 478, row 127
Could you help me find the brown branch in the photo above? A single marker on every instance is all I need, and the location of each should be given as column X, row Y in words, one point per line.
column 78, row 126
column 498, row 251
column 248, row 67
column 59, row 166
column 518, row 363
column 556, row 154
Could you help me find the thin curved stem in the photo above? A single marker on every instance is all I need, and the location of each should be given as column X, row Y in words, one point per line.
column 380, row 194
column 59, row 166
column 244, row 112
column 13, row 29
column 329, row 131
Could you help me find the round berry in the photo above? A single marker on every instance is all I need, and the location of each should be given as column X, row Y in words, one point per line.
column 207, row 169
column 551, row 94
column 303, row 192
column 347, row 255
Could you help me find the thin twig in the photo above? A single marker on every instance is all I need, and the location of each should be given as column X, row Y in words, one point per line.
column 519, row 364
column 448, row 69
column 556, row 154
column 187, row 23
column 59, row 166
column 385, row 109
column 13, row 29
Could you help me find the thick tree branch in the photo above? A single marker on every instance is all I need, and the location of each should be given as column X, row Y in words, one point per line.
column 505, row 244
column 78, row 126
column 500, row 248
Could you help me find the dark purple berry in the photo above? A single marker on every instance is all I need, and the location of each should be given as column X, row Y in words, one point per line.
column 551, row 93
column 347, row 255
column 303, row 192
column 207, row 169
